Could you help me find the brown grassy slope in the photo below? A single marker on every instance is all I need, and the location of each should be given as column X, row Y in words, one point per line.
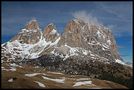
column 22, row 81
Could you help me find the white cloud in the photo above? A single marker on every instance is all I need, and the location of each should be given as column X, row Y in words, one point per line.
column 86, row 17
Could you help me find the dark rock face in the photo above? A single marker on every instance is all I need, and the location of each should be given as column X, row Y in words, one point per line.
column 49, row 60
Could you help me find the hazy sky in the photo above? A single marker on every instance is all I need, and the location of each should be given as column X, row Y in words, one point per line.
column 115, row 15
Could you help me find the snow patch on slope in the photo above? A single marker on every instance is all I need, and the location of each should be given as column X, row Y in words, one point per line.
column 32, row 75
column 11, row 69
column 55, row 80
column 82, row 83
column 55, row 43
column 109, row 42
column 98, row 33
column 85, row 52
column 26, row 31
column 72, row 50
column 120, row 62
column 53, row 31
column 80, row 79
column 40, row 84
column 10, row 80
column 55, row 73
column 15, row 65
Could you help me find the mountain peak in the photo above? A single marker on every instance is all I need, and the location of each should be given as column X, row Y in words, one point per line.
column 32, row 25
column 30, row 34
column 50, row 32
column 50, row 29
column 51, row 24
column 78, row 20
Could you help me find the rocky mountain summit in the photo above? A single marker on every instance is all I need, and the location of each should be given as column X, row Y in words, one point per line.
column 79, row 38
column 90, row 40
column 50, row 33
column 30, row 34
column 83, row 49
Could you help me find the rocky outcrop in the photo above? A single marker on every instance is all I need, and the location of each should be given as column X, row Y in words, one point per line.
column 94, row 38
column 32, row 25
column 50, row 33
column 30, row 34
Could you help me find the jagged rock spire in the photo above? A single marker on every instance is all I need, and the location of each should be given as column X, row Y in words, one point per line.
column 31, row 34
column 49, row 29
column 50, row 33
column 32, row 25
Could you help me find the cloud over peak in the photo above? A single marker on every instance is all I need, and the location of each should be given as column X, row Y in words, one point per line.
column 86, row 17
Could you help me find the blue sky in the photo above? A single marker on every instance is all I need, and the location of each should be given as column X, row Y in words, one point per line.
column 115, row 15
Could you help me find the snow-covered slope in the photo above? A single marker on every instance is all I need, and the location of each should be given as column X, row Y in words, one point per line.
column 26, row 51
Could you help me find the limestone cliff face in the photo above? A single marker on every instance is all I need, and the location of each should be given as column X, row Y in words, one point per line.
column 50, row 33
column 72, row 35
column 30, row 34
column 32, row 25
column 95, row 38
